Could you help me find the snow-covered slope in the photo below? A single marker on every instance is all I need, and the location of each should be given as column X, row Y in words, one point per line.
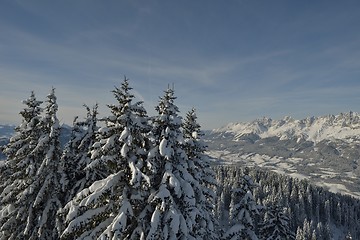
column 344, row 126
column 325, row 150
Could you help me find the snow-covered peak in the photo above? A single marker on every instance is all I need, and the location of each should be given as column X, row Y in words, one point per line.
column 343, row 126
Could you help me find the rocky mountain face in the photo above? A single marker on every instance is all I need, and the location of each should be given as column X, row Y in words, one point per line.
column 325, row 150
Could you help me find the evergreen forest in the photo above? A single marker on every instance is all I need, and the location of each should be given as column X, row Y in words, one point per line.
column 133, row 176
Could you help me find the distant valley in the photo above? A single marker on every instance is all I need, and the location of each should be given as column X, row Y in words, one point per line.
column 325, row 150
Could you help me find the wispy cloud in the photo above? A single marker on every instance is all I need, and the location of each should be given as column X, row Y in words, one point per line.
column 270, row 62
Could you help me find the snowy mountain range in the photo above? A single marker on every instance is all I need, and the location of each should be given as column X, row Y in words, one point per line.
column 325, row 150
column 344, row 126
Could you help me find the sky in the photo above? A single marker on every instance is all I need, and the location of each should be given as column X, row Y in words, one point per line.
column 233, row 61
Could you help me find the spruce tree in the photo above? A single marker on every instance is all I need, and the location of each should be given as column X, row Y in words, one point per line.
column 21, row 167
column 204, row 178
column 36, row 193
column 173, row 204
column 276, row 224
column 49, row 197
column 111, row 208
column 243, row 210
column 300, row 234
column 76, row 157
column 307, row 231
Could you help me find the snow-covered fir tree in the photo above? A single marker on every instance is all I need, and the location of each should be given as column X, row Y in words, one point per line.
column 323, row 231
column 35, row 205
column 111, row 208
column 204, row 178
column 24, row 140
column 243, row 209
column 276, row 224
column 300, row 234
column 76, row 157
column 19, row 172
column 49, row 197
column 173, row 202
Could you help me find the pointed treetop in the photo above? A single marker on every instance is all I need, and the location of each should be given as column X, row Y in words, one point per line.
column 166, row 103
column 52, row 106
column 33, row 109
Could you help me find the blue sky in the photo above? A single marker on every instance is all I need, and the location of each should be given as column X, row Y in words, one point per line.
column 231, row 60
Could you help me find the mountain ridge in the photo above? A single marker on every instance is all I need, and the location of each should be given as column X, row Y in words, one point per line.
column 315, row 129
